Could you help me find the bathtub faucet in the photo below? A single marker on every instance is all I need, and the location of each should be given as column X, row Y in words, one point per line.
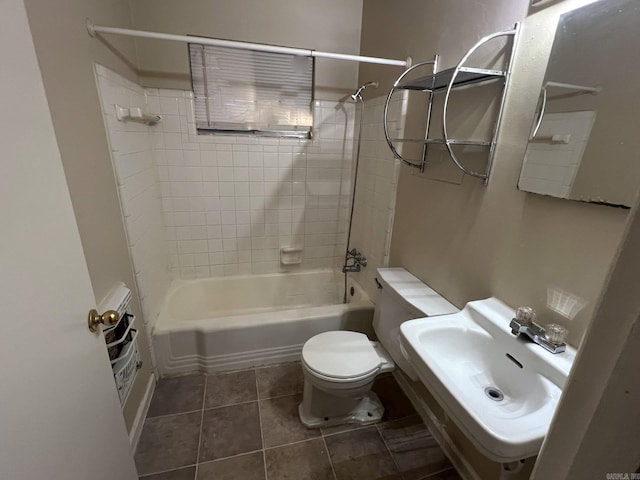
column 358, row 259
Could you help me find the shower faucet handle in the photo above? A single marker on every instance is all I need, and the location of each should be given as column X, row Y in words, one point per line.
column 361, row 260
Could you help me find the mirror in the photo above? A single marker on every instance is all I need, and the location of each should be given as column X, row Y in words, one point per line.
column 585, row 142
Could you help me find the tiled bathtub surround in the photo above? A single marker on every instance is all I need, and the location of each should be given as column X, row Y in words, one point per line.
column 378, row 174
column 212, row 205
column 230, row 202
column 132, row 156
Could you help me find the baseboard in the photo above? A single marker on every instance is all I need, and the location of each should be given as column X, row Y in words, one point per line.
column 141, row 414
column 438, row 431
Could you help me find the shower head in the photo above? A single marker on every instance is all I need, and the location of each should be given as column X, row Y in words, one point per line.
column 357, row 95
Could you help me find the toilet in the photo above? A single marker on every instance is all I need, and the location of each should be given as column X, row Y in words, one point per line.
column 340, row 366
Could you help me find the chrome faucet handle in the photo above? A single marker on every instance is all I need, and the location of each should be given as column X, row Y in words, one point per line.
column 555, row 334
column 525, row 315
column 550, row 338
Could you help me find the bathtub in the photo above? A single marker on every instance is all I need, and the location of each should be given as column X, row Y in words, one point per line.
column 229, row 323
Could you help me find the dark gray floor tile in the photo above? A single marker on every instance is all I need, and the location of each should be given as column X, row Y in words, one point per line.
column 168, row 443
column 395, row 402
column 242, row 467
column 188, row 473
column 231, row 430
column 177, row 395
column 361, row 455
column 450, row 474
column 347, row 427
column 280, row 421
column 414, row 449
column 283, row 379
column 229, row 388
column 305, row 460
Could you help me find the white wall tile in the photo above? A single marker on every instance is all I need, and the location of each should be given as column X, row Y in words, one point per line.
column 230, row 202
column 375, row 196
column 135, row 155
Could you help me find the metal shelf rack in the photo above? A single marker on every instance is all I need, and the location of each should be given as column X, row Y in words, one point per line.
column 446, row 81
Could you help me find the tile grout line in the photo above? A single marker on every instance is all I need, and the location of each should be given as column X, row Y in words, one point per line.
column 292, row 443
column 173, row 414
column 231, row 404
column 231, row 456
column 283, row 395
column 237, row 403
column 264, row 453
column 432, row 475
column 204, row 398
column 389, row 450
column 333, row 470
column 166, row 471
column 355, row 428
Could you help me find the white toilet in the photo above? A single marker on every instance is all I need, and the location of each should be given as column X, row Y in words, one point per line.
column 340, row 366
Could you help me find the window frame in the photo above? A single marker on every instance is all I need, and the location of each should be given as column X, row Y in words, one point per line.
column 306, row 133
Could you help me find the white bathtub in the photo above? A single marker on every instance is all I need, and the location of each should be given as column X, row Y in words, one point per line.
column 230, row 323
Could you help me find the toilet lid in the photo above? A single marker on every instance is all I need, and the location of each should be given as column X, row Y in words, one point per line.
column 340, row 354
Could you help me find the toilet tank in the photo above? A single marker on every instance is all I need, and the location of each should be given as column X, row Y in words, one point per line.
column 403, row 297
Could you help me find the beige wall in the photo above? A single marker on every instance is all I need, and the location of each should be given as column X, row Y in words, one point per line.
column 470, row 241
column 595, row 429
column 330, row 25
column 66, row 54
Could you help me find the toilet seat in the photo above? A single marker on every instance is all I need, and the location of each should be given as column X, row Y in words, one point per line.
column 341, row 356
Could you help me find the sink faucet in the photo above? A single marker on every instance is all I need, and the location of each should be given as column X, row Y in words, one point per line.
column 550, row 338
column 358, row 261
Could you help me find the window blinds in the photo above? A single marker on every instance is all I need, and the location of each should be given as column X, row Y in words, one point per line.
column 247, row 91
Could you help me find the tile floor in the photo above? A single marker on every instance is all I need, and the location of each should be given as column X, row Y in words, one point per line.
column 244, row 426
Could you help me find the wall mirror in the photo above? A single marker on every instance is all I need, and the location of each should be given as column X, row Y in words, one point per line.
column 585, row 140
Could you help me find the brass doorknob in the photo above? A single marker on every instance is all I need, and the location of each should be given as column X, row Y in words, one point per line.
column 108, row 318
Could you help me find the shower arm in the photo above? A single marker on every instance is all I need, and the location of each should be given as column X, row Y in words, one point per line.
column 358, row 93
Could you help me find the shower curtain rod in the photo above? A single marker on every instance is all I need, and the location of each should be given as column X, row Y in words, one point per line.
column 94, row 29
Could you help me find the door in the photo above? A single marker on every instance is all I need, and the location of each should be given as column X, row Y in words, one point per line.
column 60, row 417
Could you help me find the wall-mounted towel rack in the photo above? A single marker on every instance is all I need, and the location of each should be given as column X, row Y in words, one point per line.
column 137, row 115
column 94, row 29
column 578, row 89
column 446, row 81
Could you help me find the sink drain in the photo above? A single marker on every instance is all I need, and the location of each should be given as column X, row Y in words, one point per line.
column 494, row 394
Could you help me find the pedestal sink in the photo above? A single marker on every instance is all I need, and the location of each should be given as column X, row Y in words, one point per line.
column 499, row 389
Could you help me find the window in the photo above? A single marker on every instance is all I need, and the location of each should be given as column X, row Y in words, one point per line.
column 245, row 91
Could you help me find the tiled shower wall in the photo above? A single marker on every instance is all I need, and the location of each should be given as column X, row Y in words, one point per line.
column 212, row 205
column 132, row 154
column 231, row 202
column 378, row 174
column 216, row 205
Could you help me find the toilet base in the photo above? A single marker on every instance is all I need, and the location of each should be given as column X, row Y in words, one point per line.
column 368, row 410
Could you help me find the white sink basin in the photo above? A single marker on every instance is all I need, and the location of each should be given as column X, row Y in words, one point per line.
column 501, row 391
